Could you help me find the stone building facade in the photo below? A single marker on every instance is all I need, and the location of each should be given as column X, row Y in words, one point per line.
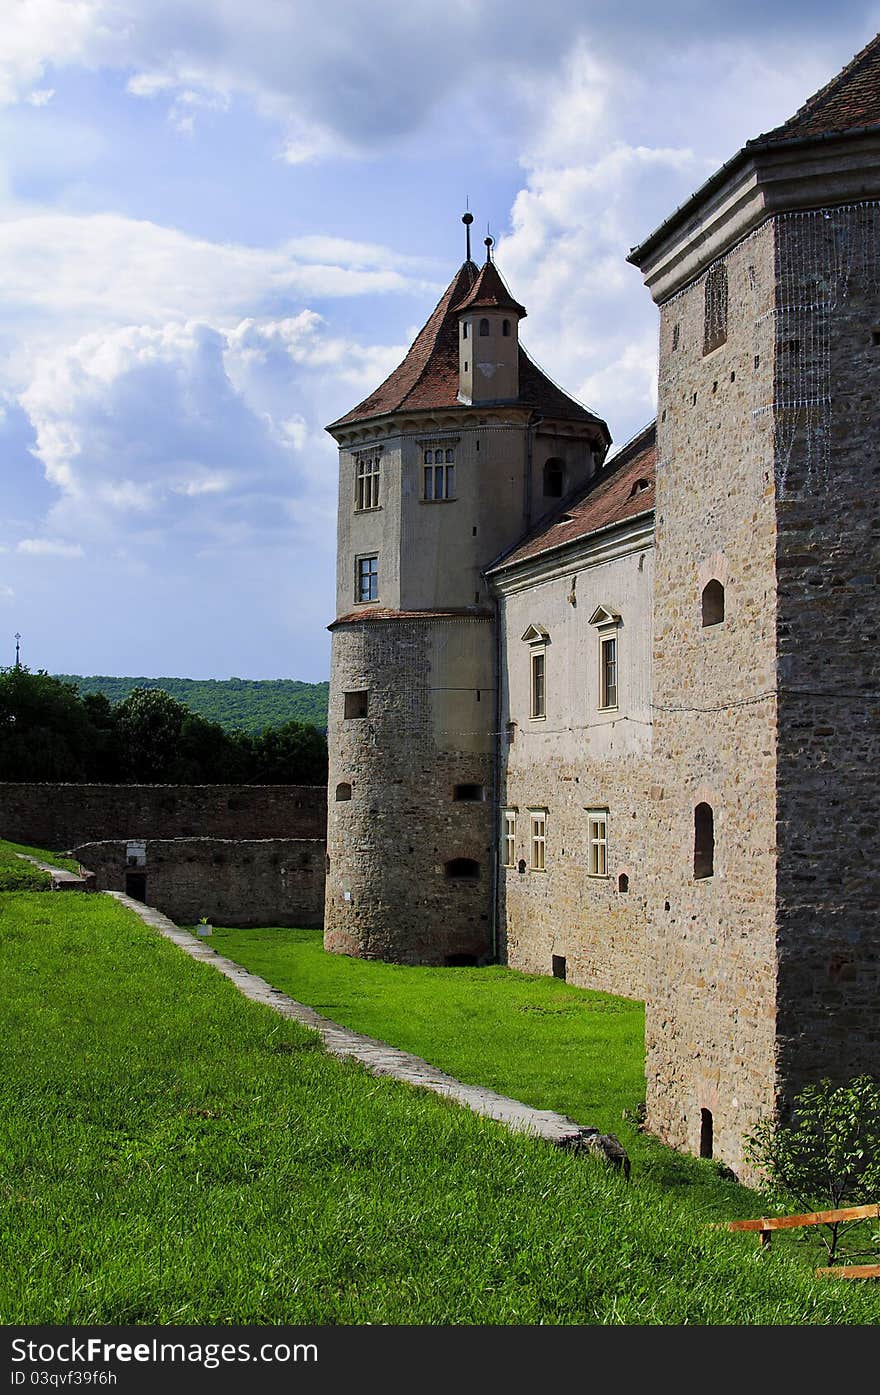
column 618, row 719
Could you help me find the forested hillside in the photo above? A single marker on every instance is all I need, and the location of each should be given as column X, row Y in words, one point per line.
column 238, row 704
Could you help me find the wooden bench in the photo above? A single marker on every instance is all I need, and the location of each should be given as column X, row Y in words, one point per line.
column 766, row 1225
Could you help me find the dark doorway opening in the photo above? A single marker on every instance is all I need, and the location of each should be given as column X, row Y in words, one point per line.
column 136, row 886
column 460, row 961
column 558, row 964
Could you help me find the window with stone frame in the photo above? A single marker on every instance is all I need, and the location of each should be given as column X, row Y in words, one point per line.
column 538, row 839
column 367, row 578
column 439, row 474
column 597, row 842
column 715, row 308
column 508, row 838
column 538, row 686
column 366, row 494
column 608, row 662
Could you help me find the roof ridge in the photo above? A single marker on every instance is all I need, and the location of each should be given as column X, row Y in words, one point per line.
column 441, row 320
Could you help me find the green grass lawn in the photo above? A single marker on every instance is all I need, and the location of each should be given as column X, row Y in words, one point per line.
column 532, row 1037
column 172, row 1153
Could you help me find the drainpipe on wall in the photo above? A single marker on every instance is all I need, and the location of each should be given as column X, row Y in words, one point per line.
column 496, row 778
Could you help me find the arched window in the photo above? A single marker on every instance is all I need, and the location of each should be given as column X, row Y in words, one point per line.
column 713, row 603
column 554, row 478
column 505, row 328
column 623, row 883
column 462, row 869
column 484, row 327
column 704, row 841
column 343, row 791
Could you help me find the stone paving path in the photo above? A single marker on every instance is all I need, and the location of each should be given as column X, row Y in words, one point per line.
column 62, row 880
column 382, row 1059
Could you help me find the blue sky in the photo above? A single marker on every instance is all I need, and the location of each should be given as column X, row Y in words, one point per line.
column 221, row 224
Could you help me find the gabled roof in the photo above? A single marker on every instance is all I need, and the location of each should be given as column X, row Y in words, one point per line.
column 850, row 101
column 489, row 292
column 428, row 377
column 623, row 489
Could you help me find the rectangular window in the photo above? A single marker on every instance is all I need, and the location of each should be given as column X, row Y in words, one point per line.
column 367, row 483
column 539, row 683
column 439, row 474
column 608, row 671
column 509, row 838
column 367, row 579
column 355, row 705
column 597, row 840
column 538, row 818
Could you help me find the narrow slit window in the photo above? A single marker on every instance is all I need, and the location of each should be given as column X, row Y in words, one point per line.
column 505, row 328
column 706, row 1131
column 484, row 328
column 704, row 841
column 554, row 479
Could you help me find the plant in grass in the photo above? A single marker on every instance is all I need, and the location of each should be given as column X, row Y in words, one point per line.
column 827, row 1156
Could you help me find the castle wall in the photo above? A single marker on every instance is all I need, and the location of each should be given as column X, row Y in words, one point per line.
column 428, row 727
column 577, row 758
column 229, row 881
column 710, row 1022
column 61, row 816
column 828, row 562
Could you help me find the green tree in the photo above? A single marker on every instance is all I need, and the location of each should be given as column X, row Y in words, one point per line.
column 292, row 754
column 45, row 730
column 148, row 727
column 827, row 1156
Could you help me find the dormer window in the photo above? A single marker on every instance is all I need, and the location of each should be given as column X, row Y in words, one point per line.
column 639, row 487
column 484, row 327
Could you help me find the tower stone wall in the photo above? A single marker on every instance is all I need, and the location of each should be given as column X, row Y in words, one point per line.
column 827, row 386
column 710, row 1019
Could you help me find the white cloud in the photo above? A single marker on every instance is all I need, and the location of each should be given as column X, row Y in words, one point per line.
column 49, row 547
column 41, row 96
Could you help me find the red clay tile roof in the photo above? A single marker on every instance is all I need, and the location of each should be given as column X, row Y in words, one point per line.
column 490, row 291
column 623, row 489
column 850, row 101
column 428, row 376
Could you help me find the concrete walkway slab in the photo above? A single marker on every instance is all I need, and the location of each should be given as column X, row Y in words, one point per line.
column 382, row 1059
column 62, row 880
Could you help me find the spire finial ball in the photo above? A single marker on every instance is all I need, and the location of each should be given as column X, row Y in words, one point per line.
column 467, row 219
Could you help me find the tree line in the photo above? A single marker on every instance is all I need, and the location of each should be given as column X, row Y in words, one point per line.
column 51, row 732
column 240, row 704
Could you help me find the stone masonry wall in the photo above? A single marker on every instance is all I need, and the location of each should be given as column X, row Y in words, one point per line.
column 710, row 1023
column 60, row 816
column 430, row 714
column 828, row 561
column 230, row 881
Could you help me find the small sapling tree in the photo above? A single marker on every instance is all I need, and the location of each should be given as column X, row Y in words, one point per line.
column 827, row 1156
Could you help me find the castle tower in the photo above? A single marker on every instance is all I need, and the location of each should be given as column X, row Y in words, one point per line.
column 766, row 880
column 441, row 469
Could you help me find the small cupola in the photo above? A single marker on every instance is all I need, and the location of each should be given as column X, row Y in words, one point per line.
column 488, row 338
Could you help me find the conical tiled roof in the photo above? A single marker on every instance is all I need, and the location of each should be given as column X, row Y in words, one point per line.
column 490, row 293
column 850, row 101
column 428, row 377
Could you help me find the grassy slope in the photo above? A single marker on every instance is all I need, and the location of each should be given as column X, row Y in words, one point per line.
column 172, row 1153
column 533, row 1037
column 236, row 703
column 16, row 875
